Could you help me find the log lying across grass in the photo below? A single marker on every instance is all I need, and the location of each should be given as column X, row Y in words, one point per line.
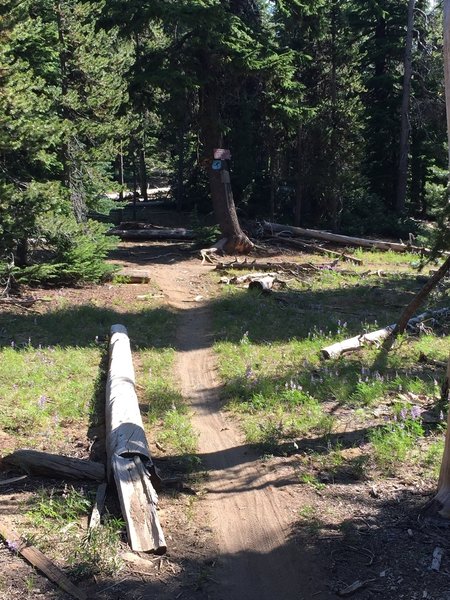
column 127, row 449
column 35, row 462
column 36, row 558
column 178, row 233
column 376, row 337
column 314, row 248
column 273, row 228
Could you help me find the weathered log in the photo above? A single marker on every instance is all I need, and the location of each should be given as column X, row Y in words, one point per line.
column 178, row 233
column 314, row 248
column 262, row 284
column 35, row 462
column 376, row 337
column 268, row 266
column 36, row 558
column 127, row 449
column 343, row 239
column 133, row 276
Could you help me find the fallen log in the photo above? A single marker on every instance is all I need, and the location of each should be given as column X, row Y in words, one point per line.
column 268, row 266
column 314, row 248
column 127, row 450
column 376, row 337
column 34, row 462
column 153, row 234
column 36, row 558
column 133, row 276
column 343, row 239
column 262, row 284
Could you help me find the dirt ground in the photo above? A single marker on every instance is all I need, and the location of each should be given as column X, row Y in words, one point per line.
column 251, row 532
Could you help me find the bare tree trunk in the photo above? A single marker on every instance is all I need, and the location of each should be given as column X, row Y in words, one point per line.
column 219, row 180
column 143, row 174
column 298, row 210
column 402, row 179
column 443, row 494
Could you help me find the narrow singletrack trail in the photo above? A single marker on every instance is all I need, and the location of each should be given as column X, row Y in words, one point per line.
column 249, row 509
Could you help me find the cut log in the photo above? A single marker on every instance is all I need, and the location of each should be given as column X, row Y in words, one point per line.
column 262, row 284
column 133, row 276
column 343, row 239
column 314, row 248
column 36, row 558
column 127, row 449
column 376, row 337
column 34, row 462
column 153, row 234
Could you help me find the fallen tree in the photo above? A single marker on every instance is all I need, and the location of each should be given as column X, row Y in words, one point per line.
column 178, row 233
column 128, row 454
column 314, row 248
column 35, row 462
column 376, row 337
column 273, row 228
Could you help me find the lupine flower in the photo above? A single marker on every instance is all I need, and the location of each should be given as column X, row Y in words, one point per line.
column 13, row 545
column 415, row 412
column 42, row 401
column 403, row 414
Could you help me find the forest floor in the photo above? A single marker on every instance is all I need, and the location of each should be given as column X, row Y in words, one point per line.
column 304, row 517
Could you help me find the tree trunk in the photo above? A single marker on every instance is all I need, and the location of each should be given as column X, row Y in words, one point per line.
column 298, row 210
column 443, row 494
column 143, row 174
column 447, row 69
column 405, row 126
column 219, row 180
column 420, row 298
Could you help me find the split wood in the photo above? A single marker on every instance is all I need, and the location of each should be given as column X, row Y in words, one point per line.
column 40, row 561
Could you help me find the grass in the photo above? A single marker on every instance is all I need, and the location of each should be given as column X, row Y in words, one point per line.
column 54, row 517
column 277, row 384
column 42, row 389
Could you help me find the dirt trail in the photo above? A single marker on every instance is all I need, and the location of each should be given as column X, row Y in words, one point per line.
column 250, row 515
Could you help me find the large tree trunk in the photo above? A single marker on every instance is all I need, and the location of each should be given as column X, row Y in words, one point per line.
column 443, row 494
column 405, row 127
column 219, row 180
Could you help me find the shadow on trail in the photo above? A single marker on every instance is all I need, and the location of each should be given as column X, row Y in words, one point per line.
column 151, row 253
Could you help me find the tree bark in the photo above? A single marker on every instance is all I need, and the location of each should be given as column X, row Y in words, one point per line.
column 447, row 69
column 219, row 180
column 54, row 465
column 405, row 126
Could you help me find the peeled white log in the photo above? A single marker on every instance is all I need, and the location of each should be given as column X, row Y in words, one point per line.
column 342, row 239
column 356, row 342
column 375, row 337
column 127, row 449
column 262, row 284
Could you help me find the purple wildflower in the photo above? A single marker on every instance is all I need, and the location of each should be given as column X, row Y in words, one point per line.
column 42, row 401
column 249, row 372
column 13, row 545
column 416, row 411
column 403, row 414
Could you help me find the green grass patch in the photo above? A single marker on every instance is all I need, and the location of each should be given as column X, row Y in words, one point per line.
column 44, row 388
